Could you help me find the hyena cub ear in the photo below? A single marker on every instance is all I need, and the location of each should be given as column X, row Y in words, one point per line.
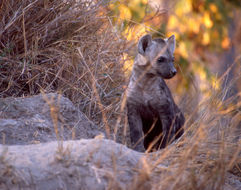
column 144, row 43
column 171, row 43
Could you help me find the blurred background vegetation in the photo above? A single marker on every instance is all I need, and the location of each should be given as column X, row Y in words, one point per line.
column 208, row 34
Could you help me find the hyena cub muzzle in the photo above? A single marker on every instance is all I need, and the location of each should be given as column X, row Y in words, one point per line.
column 154, row 118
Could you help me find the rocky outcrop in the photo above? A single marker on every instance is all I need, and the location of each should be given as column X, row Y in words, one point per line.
column 83, row 164
column 42, row 118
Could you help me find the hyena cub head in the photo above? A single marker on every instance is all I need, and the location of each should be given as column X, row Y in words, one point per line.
column 157, row 55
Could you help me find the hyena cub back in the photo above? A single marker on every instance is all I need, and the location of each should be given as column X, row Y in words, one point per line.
column 154, row 118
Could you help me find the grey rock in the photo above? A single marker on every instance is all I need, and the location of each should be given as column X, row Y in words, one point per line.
column 36, row 119
column 83, row 164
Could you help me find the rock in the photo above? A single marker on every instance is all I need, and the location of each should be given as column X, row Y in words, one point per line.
column 42, row 118
column 83, row 164
column 29, row 163
column 95, row 164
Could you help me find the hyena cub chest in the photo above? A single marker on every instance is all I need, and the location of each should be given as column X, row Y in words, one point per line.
column 150, row 96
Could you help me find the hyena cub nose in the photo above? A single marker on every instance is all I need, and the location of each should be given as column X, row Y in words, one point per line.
column 154, row 118
column 174, row 71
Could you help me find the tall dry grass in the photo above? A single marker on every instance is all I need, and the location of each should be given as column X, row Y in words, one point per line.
column 66, row 46
column 71, row 47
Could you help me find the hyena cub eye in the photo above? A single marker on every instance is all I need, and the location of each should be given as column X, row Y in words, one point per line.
column 161, row 59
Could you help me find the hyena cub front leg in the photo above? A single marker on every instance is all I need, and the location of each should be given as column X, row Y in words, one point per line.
column 167, row 117
column 135, row 125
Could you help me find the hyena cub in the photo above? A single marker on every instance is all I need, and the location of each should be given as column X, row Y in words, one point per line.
column 154, row 118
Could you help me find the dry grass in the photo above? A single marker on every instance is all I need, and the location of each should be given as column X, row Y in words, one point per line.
column 64, row 46
column 71, row 47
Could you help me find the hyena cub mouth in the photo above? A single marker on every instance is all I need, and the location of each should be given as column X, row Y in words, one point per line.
column 169, row 76
column 154, row 119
